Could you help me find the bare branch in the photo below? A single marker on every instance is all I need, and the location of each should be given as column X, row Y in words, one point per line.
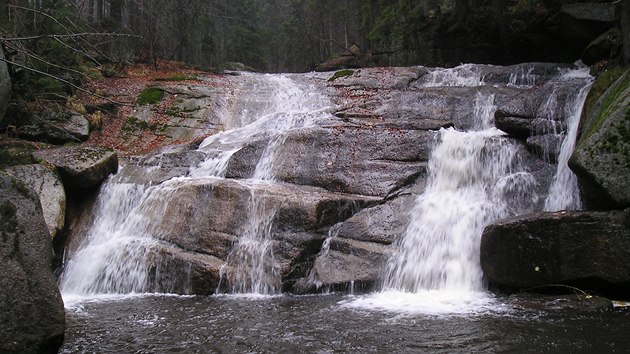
column 65, row 81
column 72, row 35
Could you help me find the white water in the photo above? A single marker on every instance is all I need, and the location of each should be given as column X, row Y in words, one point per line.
column 564, row 193
column 121, row 252
column 475, row 178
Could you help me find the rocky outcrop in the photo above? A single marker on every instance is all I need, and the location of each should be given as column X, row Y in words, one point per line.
column 52, row 197
column 56, row 128
column 5, row 89
column 585, row 249
column 81, row 167
column 223, row 212
column 31, row 309
column 602, row 155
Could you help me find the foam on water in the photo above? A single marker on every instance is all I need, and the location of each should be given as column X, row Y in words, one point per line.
column 429, row 302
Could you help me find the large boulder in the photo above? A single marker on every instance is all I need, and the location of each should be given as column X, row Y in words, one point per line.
column 5, row 89
column 56, row 128
column 585, row 249
column 602, row 156
column 31, row 309
column 81, row 167
column 52, row 196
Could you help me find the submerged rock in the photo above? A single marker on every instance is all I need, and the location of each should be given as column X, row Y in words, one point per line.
column 81, row 167
column 587, row 249
column 31, row 309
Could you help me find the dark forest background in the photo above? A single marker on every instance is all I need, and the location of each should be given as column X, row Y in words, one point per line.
column 293, row 35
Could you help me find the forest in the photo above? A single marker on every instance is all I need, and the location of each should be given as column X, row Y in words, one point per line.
column 54, row 46
column 280, row 35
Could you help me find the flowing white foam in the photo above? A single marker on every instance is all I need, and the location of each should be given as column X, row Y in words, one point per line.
column 564, row 192
column 466, row 75
column 428, row 302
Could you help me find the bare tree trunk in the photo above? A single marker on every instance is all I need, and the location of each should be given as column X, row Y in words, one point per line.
column 625, row 29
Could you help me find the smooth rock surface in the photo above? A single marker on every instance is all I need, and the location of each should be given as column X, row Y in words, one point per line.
column 52, row 196
column 31, row 309
column 586, row 249
column 81, row 167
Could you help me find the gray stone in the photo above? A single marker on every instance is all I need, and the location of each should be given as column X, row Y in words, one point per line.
column 31, row 308
column 601, row 12
column 586, row 249
column 57, row 128
column 5, row 89
column 602, row 155
column 346, row 159
column 82, row 166
column 345, row 262
column 381, row 224
column 52, row 197
column 546, row 147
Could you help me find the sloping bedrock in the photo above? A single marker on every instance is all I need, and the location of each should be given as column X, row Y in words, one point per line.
column 345, row 159
column 411, row 108
column 214, row 223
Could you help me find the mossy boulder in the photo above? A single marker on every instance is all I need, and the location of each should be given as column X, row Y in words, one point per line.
column 601, row 159
column 31, row 309
column 81, row 167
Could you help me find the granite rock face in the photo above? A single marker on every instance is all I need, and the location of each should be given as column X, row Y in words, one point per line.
column 52, row 196
column 31, row 309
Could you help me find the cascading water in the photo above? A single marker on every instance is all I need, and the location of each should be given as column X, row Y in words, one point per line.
column 475, row 178
column 118, row 254
column 564, row 193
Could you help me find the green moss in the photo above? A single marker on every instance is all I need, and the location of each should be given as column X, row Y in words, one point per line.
column 12, row 153
column 606, row 92
column 133, row 124
column 175, row 112
column 150, row 95
column 341, row 73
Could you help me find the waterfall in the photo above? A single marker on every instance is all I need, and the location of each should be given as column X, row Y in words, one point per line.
column 470, row 176
column 564, row 193
column 121, row 252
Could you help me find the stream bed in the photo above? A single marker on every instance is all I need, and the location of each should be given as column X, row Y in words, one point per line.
column 328, row 324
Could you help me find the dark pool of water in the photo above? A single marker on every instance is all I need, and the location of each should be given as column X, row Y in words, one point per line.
column 323, row 324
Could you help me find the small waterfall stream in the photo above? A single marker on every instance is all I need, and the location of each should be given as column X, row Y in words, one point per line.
column 117, row 254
